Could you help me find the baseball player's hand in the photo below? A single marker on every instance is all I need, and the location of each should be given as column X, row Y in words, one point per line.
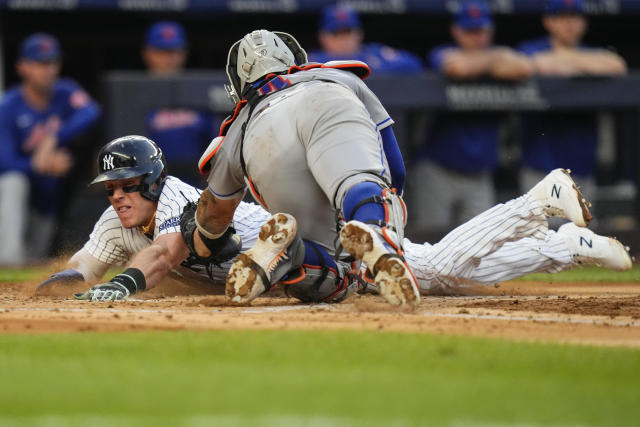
column 110, row 291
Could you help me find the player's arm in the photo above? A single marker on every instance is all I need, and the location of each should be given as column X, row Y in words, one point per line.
column 508, row 64
column 212, row 219
column 84, row 113
column 82, row 267
column 158, row 260
column 148, row 268
column 462, row 65
column 579, row 61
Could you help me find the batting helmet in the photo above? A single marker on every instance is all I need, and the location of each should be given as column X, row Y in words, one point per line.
column 259, row 53
column 132, row 156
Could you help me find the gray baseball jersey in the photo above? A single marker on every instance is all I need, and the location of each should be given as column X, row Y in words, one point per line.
column 300, row 144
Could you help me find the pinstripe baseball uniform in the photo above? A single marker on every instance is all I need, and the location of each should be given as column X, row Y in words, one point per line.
column 113, row 244
column 507, row 241
column 513, row 241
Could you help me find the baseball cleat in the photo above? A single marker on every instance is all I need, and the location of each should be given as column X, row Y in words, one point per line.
column 393, row 278
column 276, row 252
column 590, row 248
column 559, row 196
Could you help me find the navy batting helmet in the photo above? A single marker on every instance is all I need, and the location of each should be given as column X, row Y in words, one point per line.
column 132, row 156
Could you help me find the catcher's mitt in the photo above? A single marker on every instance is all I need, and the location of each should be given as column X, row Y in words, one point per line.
column 222, row 249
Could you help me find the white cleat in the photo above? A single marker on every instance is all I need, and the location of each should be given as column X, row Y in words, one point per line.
column 590, row 248
column 560, row 196
column 393, row 278
column 254, row 271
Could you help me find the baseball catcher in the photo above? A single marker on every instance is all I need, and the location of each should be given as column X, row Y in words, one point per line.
column 141, row 230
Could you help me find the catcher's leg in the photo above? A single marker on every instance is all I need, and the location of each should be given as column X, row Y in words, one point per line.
column 277, row 251
column 320, row 278
column 373, row 233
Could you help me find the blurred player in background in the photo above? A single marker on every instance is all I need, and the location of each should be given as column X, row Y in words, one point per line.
column 182, row 133
column 341, row 38
column 39, row 119
column 454, row 175
column 564, row 138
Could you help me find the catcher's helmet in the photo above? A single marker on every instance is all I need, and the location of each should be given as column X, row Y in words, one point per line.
column 259, row 53
column 132, row 156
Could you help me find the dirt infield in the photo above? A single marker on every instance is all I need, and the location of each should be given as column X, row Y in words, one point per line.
column 594, row 313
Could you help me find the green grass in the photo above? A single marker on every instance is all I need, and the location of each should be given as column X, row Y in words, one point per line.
column 304, row 378
column 19, row 274
column 588, row 274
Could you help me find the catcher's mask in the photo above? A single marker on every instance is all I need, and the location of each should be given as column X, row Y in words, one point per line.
column 132, row 156
column 257, row 54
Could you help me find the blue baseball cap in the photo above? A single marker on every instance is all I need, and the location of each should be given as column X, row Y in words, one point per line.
column 473, row 15
column 166, row 35
column 336, row 18
column 558, row 7
column 40, row 47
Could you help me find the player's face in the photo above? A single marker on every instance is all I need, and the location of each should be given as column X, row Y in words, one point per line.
column 40, row 75
column 132, row 209
column 566, row 30
column 477, row 39
column 164, row 62
column 341, row 43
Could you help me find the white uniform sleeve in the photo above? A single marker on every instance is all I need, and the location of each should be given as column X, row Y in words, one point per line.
column 106, row 240
column 89, row 266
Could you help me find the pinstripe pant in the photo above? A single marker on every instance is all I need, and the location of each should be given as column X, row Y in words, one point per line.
column 507, row 241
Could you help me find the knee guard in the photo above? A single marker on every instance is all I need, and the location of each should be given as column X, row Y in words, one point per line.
column 373, row 204
column 320, row 278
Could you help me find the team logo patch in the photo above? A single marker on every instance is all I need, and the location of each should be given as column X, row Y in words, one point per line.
column 107, row 162
column 171, row 222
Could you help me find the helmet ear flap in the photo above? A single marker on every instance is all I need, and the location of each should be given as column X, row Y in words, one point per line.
column 299, row 53
column 154, row 180
column 233, row 90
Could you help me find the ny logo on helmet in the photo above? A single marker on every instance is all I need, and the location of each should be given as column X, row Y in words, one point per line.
column 107, row 162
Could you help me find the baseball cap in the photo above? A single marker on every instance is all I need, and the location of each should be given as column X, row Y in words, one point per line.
column 336, row 18
column 40, row 47
column 166, row 35
column 557, row 7
column 473, row 15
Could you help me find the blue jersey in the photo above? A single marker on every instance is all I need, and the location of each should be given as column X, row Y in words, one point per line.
column 182, row 134
column 558, row 139
column 467, row 142
column 380, row 58
column 70, row 112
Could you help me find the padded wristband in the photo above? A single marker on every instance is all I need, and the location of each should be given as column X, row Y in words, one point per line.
column 132, row 279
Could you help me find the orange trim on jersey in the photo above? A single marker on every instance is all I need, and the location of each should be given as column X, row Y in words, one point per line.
column 361, row 65
column 352, row 65
column 236, row 111
column 255, row 194
column 202, row 166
